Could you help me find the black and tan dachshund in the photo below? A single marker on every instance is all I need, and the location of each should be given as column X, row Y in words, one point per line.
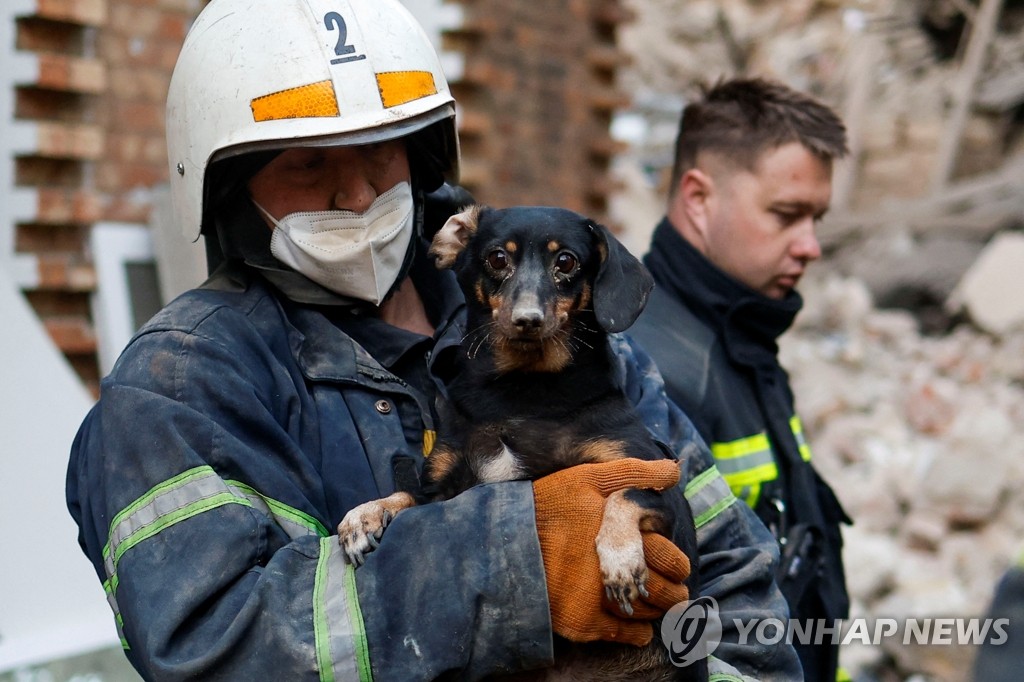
column 536, row 392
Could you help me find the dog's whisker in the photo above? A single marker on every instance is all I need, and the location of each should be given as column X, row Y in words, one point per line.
column 581, row 342
column 583, row 325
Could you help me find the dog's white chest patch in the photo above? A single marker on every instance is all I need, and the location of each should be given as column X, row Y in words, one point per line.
column 504, row 466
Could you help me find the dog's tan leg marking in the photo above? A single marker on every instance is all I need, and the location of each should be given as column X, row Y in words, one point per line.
column 602, row 450
column 620, row 550
column 360, row 531
column 441, row 462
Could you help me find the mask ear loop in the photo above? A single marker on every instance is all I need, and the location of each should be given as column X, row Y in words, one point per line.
column 265, row 213
column 411, row 250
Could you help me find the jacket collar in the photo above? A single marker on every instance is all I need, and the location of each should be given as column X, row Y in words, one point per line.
column 748, row 322
column 322, row 348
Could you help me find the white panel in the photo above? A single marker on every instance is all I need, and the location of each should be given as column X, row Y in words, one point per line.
column 114, row 245
column 53, row 603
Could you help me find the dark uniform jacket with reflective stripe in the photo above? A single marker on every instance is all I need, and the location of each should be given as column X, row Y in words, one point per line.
column 714, row 341
column 239, row 426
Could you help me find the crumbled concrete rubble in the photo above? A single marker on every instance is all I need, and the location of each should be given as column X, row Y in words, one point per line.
column 991, row 291
column 920, row 433
column 920, row 437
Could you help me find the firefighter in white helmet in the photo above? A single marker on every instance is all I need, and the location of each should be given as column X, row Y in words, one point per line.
column 309, row 142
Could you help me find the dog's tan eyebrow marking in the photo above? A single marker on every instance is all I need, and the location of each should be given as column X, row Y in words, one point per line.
column 511, row 246
column 553, row 246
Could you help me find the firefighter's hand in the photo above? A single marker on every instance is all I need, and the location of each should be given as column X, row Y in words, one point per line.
column 569, row 507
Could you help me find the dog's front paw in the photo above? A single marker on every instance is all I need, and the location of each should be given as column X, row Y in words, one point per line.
column 623, row 568
column 620, row 551
column 360, row 531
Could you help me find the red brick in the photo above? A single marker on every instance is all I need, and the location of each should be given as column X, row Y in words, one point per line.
column 73, row 335
column 62, row 271
column 85, row 12
column 134, row 20
column 137, row 116
column 58, row 205
column 78, row 74
column 69, row 141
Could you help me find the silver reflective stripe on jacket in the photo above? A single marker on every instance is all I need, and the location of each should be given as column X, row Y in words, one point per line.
column 708, row 495
column 189, row 493
column 342, row 652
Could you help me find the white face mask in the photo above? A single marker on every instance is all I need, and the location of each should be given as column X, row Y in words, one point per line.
column 359, row 255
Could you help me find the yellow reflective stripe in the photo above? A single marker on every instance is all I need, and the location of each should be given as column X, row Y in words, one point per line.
column 745, row 464
column 741, row 447
column 315, row 100
column 750, row 494
column 752, row 476
column 399, row 87
column 798, row 432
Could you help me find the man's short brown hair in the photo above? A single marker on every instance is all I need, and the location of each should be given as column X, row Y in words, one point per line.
column 739, row 119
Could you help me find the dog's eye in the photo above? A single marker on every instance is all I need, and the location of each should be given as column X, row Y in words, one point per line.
column 565, row 263
column 497, row 259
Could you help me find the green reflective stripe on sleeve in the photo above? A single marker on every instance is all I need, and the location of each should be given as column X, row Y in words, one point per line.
column 341, row 648
column 358, row 630
column 182, row 497
column 294, row 522
column 118, row 621
column 708, row 496
column 188, row 494
column 798, row 432
column 191, row 492
column 720, row 671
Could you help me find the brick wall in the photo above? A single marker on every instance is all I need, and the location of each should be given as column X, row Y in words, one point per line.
column 59, row 109
column 536, row 98
column 96, row 109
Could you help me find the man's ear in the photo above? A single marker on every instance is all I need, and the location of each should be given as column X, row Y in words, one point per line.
column 453, row 236
column 691, row 203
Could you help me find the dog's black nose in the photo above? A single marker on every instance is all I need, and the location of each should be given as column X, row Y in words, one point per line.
column 528, row 321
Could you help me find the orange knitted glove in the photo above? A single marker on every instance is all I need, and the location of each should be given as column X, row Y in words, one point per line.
column 569, row 505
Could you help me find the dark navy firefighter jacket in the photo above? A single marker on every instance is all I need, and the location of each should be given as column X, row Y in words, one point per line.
column 239, row 426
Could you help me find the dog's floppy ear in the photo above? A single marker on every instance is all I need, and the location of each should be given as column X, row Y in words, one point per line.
column 622, row 284
column 453, row 236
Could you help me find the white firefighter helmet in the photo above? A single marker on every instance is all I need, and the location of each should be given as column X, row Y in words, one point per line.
column 256, row 75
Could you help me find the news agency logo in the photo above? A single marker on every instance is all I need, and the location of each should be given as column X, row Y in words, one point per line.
column 691, row 631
